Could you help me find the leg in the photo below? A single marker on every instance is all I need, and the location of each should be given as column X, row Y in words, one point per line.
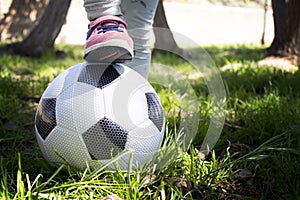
column 139, row 15
column 97, row 8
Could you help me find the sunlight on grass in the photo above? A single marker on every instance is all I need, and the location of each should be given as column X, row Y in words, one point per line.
column 257, row 156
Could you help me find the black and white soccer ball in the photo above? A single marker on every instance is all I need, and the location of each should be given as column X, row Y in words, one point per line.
column 93, row 112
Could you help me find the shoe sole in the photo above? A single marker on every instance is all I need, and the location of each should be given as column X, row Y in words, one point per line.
column 112, row 51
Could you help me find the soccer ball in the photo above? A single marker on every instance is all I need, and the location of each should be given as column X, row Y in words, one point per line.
column 93, row 112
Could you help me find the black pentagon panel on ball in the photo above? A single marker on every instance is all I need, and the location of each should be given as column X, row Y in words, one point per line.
column 45, row 119
column 99, row 75
column 110, row 74
column 105, row 139
column 155, row 110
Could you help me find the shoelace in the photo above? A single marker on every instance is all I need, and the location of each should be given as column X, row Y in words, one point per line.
column 115, row 27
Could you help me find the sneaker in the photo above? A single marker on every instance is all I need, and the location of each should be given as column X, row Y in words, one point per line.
column 108, row 41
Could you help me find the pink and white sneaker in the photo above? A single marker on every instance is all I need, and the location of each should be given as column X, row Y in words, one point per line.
column 108, row 41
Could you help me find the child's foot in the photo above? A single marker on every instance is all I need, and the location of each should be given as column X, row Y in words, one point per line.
column 108, row 41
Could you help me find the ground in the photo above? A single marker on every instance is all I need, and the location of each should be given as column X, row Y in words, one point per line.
column 257, row 155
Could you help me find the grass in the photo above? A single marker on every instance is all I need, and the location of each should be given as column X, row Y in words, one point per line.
column 257, row 156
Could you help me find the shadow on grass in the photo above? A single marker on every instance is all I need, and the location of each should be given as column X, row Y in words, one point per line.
column 223, row 55
column 262, row 103
column 48, row 64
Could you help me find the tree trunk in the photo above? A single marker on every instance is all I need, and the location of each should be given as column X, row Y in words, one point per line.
column 43, row 36
column 21, row 17
column 164, row 40
column 286, row 43
column 163, row 36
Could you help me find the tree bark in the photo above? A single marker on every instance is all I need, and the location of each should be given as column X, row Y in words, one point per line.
column 164, row 39
column 163, row 36
column 286, row 43
column 21, row 17
column 43, row 36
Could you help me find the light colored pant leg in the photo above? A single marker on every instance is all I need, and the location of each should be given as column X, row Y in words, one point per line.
column 97, row 8
column 139, row 16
